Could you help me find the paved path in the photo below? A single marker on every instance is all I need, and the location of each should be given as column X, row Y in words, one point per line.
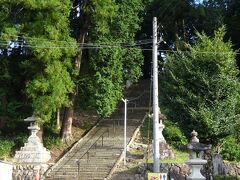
column 94, row 156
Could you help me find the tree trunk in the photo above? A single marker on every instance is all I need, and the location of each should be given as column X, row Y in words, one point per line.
column 3, row 119
column 66, row 129
column 83, row 25
column 58, row 119
column 184, row 31
column 176, row 35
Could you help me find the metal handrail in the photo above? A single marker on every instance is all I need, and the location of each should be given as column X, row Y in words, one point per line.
column 107, row 131
column 87, row 152
column 90, row 146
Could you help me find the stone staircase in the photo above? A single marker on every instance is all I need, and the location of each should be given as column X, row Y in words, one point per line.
column 95, row 155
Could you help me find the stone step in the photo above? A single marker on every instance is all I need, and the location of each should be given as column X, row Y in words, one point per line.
column 85, row 172
column 102, row 157
column 91, row 162
column 75, row 177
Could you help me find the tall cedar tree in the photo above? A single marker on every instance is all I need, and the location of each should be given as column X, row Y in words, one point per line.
column 37, row 29
column 100, row 80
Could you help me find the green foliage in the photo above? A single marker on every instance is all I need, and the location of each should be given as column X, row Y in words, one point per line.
column 9, row 145
column 40, row 73
column 19, row 140
column 201, row 88
column 230, row 148
column 50, row 90
column 225, row 178
column 173, row 135
column 6, row 146
column 111, row 65
column 51, row 141
column 51, row 136
column 108, row 80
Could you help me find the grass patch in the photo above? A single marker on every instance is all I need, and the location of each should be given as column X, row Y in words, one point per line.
column 179, row 158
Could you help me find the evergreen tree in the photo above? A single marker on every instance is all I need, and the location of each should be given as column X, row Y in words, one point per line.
column 200, row 88
column 38, row 29
column 101, row 77
column 111, row 67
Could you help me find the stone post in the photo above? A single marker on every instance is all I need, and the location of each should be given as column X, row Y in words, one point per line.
column 31, row 161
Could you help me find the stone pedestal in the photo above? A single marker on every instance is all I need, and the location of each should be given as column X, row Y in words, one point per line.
column 30, row 161
column 196, row 165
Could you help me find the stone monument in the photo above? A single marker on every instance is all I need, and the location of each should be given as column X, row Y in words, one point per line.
column 196, row 162
column 31, row 161
column 164, row 149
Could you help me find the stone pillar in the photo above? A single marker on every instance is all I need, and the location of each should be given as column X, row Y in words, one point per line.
column 31, row 161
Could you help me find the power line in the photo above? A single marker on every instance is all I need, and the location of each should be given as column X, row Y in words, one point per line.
column 141, row 41
column 102, row 45
column 114, row 46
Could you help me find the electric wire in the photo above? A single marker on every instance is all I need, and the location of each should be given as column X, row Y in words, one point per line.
column 141, row 41
column 177, row 52
column 99, row 45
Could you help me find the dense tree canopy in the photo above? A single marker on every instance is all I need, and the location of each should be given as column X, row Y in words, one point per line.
column 56, row 55
column 35, row 30
column 109, row 68
column 44, row 44
column 201, row 87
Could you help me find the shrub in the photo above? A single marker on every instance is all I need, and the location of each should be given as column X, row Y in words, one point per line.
column 230, row 148
column 6, row 146
column 19, row 140
column 174, row 135
column 50, row 141
column 51, row 136
column 225, row 178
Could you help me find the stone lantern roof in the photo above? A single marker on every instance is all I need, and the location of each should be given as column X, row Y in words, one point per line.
column 195, row 145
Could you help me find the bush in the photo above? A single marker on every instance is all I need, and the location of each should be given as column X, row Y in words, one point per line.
column 9, row 145
column 225, row 178
column 50, row 141
column 230, row 148
column 51, row 136
column 6, row 146
column 19, row 140
column 174, row 135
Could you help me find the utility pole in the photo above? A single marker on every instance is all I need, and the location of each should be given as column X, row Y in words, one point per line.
column 156, row 154
column 125, row 130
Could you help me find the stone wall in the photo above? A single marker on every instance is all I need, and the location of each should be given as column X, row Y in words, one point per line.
column 28, row 172
column 181, row 171
column 232, row 169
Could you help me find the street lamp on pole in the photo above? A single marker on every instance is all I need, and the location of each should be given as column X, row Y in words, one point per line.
column 125, row 130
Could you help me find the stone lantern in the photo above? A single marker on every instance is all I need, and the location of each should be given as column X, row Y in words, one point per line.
column 31, row 160
column 196, row 151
